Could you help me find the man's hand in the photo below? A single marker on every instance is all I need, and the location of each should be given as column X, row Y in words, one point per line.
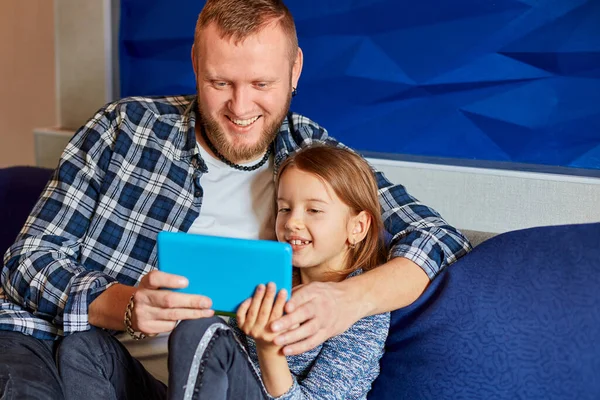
column 320, row 310
column 255, row 315
column 315, row 312
column 157, row 311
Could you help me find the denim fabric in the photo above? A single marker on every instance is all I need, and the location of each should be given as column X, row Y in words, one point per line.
column 95, row 365
column 27, row 368
column 207, row 362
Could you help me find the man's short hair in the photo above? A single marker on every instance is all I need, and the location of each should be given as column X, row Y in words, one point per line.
column 238, row 19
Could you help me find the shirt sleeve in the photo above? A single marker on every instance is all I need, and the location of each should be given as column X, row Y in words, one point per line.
column 41, row 270
column 414, row 230
column 347, row 364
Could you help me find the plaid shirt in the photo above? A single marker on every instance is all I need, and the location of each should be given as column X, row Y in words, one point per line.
column 132, row 171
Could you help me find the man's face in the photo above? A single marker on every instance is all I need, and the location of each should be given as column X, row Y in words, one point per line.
column 244, row 89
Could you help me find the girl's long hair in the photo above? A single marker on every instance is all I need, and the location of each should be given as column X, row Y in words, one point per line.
column 353, row 181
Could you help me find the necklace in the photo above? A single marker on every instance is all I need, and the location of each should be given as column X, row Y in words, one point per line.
column 231, row 164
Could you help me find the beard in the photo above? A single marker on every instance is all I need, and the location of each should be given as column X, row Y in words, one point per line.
column 238, row 152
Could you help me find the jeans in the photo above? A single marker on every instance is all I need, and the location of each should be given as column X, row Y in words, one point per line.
column 207, row 362
column 27, row 368
column 95, row 365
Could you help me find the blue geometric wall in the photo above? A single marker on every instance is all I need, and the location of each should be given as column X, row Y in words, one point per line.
column 501, row 80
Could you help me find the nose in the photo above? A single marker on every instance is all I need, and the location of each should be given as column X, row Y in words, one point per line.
column 294, row 222
column 241, row 103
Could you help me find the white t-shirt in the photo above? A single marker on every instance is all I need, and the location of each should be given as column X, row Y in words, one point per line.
column 236, row 203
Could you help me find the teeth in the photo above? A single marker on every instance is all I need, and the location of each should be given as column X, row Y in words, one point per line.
column 244, row 122
column 298, row 242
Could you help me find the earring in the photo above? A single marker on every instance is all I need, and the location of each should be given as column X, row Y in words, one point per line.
column 294, row 91
column 352, row 245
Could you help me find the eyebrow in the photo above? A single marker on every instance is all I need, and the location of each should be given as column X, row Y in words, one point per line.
column 214, row 78
column 210, row 78
column 313, row 200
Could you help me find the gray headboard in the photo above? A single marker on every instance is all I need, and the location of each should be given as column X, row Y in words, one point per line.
column 477, row 237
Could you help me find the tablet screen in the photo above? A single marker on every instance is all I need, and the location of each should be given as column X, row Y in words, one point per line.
column 225, row 269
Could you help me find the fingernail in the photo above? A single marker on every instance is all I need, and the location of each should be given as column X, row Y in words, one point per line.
column 183, row 281
column 287, row 351
column 276, row 327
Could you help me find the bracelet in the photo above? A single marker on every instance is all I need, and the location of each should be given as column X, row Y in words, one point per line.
column 127, row 321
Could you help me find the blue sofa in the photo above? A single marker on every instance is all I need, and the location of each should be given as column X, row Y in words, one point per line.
column 20, row 188
column 517, row 318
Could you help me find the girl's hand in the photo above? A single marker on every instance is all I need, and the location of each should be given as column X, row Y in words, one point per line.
column 254, row 316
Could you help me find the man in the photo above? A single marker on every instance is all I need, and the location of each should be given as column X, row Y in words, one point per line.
column 86, row 257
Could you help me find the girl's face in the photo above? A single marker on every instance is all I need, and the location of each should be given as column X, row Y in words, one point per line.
column 313, row 219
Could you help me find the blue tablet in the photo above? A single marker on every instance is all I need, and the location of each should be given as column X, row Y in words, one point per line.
column 225, row 269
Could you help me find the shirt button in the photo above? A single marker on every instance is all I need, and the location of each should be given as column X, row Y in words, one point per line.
column 198, row 193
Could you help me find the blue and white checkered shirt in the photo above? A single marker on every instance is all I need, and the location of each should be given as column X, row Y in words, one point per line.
column 132, row 171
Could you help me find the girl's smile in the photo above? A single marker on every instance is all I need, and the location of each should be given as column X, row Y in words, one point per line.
column 315, row 222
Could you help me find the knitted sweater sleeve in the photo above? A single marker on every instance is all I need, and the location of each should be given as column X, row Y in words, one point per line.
column 347, row 364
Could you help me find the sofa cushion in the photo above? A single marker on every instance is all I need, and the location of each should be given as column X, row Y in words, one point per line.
column 20, row 188
column 519, row 317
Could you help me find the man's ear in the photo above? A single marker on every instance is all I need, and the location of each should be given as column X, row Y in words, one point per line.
column 297, row 68
column 359, row 227
column 194, row 65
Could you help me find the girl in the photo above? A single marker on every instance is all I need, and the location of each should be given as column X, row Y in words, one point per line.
column 328, row 211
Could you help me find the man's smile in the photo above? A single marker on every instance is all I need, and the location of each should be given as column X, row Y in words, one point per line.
column 243, row 122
